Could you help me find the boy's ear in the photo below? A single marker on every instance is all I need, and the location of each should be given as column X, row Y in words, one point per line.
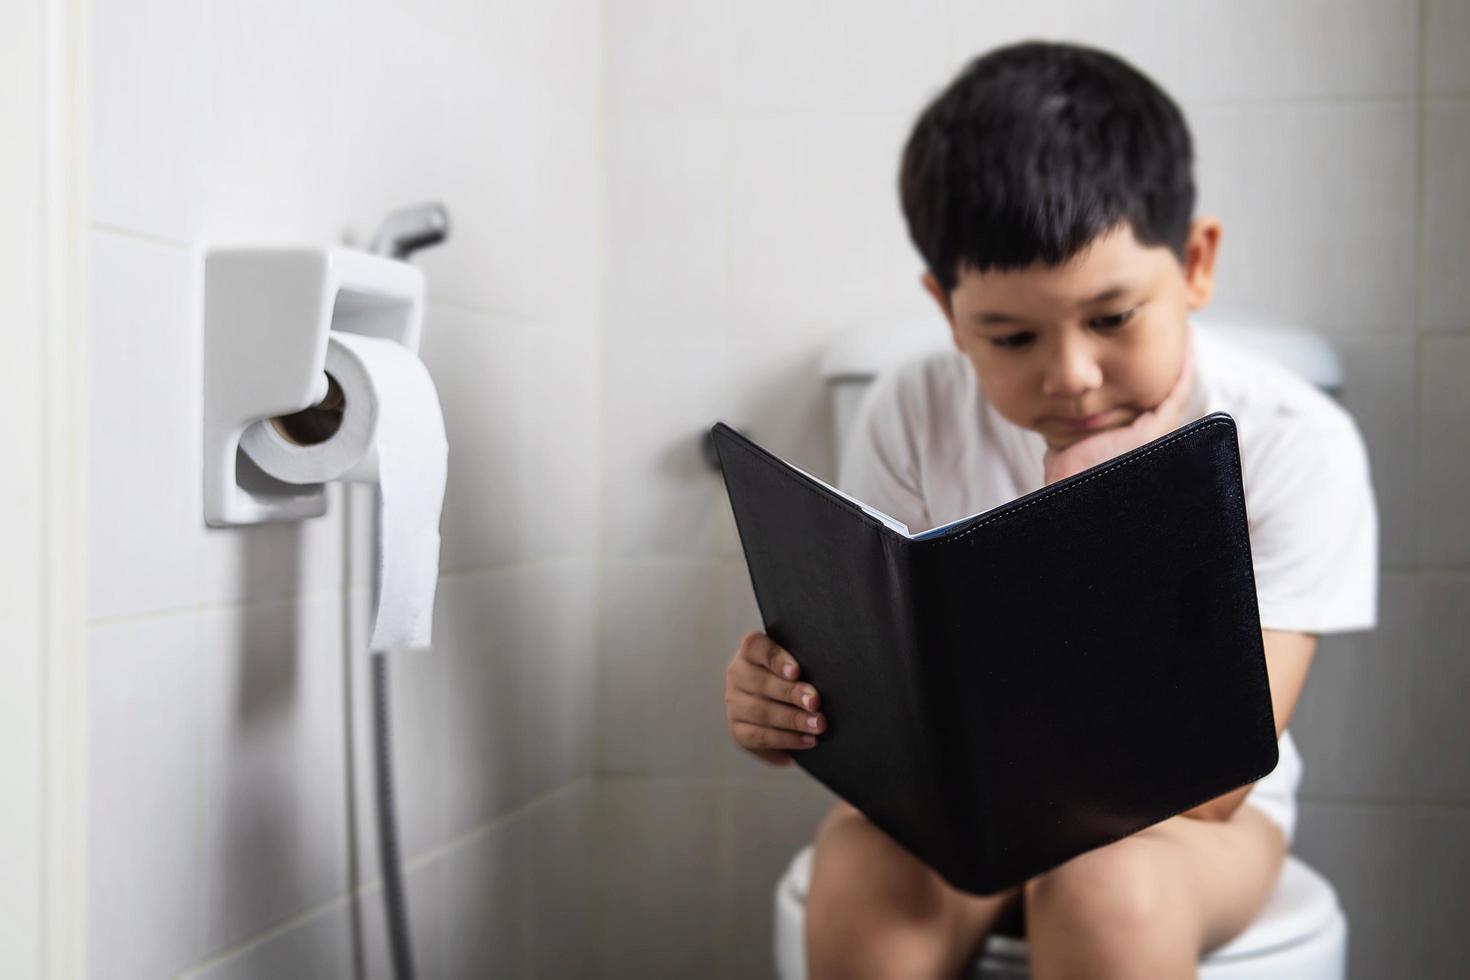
column 1199, row 272
column 934, row 289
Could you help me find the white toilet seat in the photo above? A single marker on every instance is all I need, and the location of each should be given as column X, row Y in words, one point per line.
column 1300, row 924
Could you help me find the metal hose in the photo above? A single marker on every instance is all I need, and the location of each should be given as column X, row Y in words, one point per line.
column 395, row 901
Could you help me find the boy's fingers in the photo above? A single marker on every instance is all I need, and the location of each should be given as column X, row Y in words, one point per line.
column 760, row 737
column 760, row 649
column 763, row 711
column 754, row 679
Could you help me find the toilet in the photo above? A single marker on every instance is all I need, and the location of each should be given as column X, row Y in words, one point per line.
column 1301, row 931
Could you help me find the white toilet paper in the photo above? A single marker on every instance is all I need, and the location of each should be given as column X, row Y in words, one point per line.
column 392, row 435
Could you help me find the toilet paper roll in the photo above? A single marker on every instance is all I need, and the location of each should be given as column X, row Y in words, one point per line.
column 392, row 435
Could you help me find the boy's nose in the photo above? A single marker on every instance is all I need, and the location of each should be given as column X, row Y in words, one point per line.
column 1072, row 374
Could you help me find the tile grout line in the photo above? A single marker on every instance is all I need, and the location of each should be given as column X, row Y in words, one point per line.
column 372, row 886
column 1440, row 805
column 1420, row 167
column 599, row 618
column 172, row 612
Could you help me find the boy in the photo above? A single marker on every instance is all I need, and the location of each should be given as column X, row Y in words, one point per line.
column 1049, row 191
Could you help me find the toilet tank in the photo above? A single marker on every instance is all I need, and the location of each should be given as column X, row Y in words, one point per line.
column 860, row 354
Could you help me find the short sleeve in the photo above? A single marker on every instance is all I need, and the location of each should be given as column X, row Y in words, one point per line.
column 1314, row 531
column 879, row 464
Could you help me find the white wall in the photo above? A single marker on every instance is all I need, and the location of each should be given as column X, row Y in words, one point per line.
column 42, row 503
column 753, row 213
column 226, row 665
column 22, row 494
column 571, row 803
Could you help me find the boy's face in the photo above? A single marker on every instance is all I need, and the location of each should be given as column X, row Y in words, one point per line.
column 1047, row 348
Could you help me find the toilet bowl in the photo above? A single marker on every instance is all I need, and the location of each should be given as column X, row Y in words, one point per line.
column 1300, row 933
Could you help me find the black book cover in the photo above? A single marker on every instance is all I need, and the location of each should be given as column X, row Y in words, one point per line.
column 1036, row 680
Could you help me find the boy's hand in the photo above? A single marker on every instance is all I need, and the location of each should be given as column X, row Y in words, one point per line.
column 1164, row 417
column 763, row 701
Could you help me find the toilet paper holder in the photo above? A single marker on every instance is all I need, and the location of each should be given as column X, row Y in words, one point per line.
column 268, row 312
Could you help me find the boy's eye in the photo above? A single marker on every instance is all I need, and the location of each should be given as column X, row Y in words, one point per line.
column 1012, row 340
column 1015, row 340
column 1114, row 321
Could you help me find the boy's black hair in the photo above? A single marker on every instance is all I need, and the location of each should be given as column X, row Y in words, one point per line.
column 1037, row 148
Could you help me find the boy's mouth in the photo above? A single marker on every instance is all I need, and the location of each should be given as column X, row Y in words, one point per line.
column 1086, row 423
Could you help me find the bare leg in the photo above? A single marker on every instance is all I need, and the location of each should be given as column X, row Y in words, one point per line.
column 875, row 910
column 1150, row 904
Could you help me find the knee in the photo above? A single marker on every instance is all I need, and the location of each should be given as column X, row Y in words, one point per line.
column 897, row 949
column 1110, row 891
column 859, row 873
column 871, row 910
column 864, row 928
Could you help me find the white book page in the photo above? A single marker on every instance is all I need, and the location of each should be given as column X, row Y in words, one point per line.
column 886, row 519
column 892, row 522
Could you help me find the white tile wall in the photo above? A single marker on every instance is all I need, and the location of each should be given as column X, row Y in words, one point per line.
column 783, row 58
column 1152, row 37
column 482, row 720
column 1309, row 49
column 501, row 711
column 189, row 149
column 1380, row 391
column 769, row 818
column 664, row 895
column 1447, row 33
column 671, row 173
column 1446, row 209
column 514, row 899
column 1364, row 682
column 319, row 946
column 1318, row 228
column 1367, row 852
column 781, row 405
column 668, row 635
column 28, row 496
column 273, row 797
column 661, row 398
column 1444, row 450
column 664, row 57
column 594, row 312
column 144, row 814
column 728, row 840
column 230, row 808
column 144, row 449
column 1441, row 672
column 1443, row 866
column 516, row 395
column 1400, row 874
column 560, row 902
column 815, row 220
column 485, row 893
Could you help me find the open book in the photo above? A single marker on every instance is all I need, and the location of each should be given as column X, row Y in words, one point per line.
column 1022, row 685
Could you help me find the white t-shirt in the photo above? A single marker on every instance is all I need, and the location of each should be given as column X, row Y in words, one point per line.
column 926, row 448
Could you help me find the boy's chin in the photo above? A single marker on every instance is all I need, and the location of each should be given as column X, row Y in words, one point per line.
column 1057, row 444
column 1057, row 441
